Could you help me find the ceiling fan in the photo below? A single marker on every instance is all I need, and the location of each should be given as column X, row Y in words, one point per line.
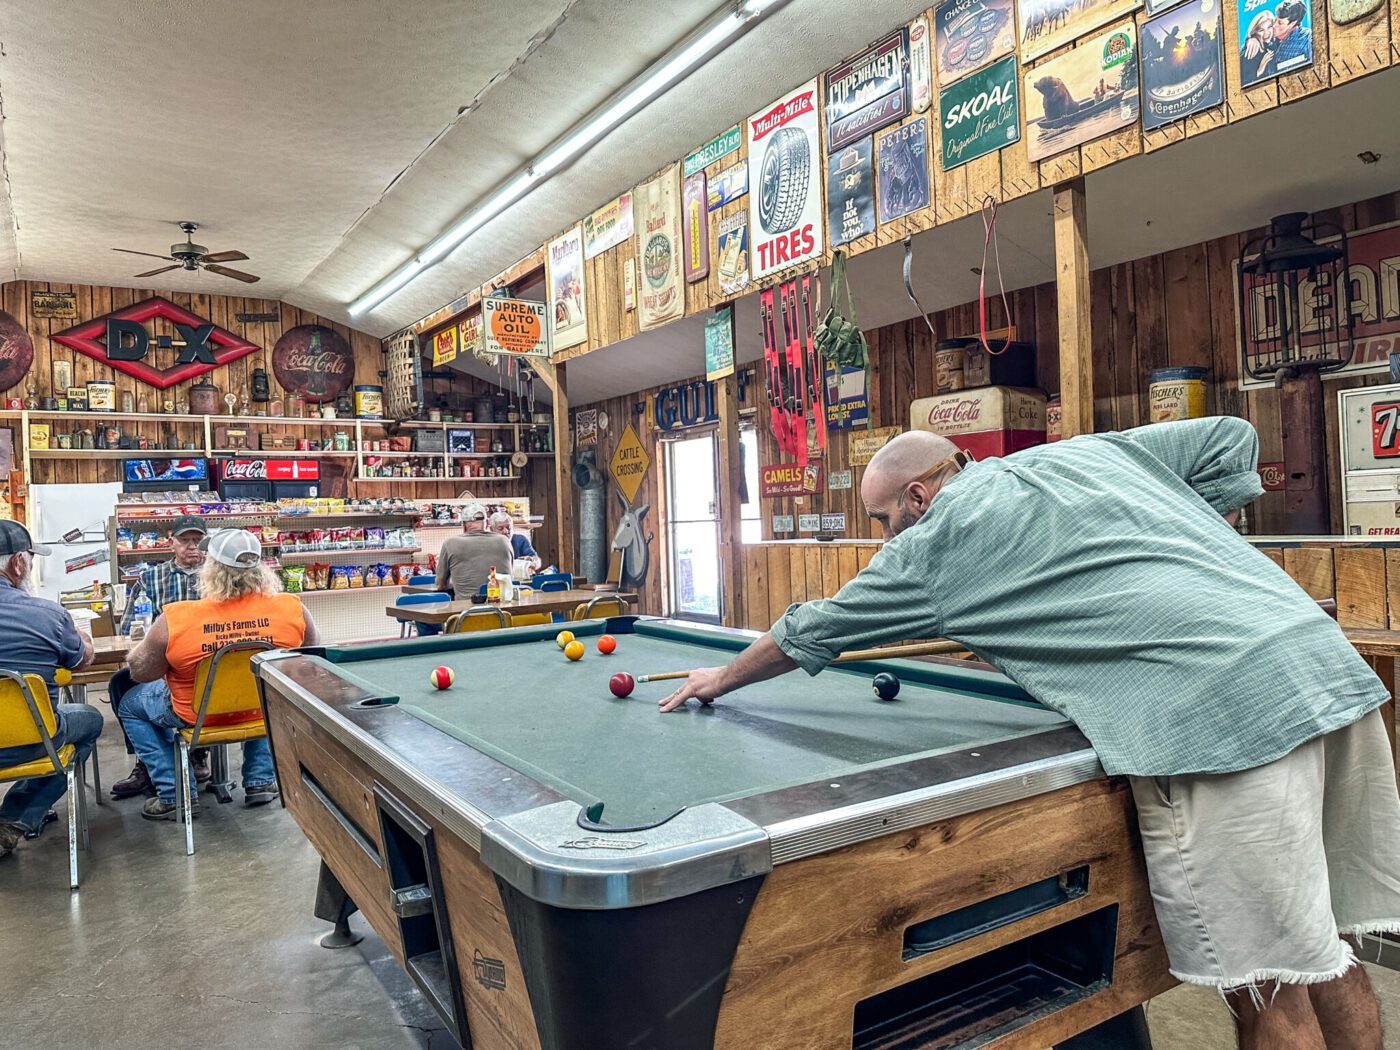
column 191, row 256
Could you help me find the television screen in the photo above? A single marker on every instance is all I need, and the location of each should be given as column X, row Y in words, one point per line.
column 166, row 470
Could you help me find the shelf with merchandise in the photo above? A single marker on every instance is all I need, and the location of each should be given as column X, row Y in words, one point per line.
column 312, row 555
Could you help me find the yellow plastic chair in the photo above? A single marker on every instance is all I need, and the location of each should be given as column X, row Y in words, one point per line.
column 225, row 685
column 27, row 717
column 597, row 607
column 485, row 618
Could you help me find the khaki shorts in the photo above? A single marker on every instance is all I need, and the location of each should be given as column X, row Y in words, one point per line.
column 1254, row 874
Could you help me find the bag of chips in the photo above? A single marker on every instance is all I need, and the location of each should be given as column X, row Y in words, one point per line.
column 125, row 540
column 147, row 541
column 319, row 577
column 374, row 537
column 356, row 537
column 355, row 575
column 294, row 578
column 316, row 539
column 340, row 581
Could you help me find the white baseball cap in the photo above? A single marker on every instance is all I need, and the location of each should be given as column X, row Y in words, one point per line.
column 238, row 548
column 473, row 512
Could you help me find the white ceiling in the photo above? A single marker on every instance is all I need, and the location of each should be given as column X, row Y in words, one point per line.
column 331, row 139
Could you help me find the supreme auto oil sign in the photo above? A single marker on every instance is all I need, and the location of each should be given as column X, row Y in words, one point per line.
column 785, row 196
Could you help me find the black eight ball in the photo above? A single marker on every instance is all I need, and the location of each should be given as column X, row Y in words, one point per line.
column 886, row 685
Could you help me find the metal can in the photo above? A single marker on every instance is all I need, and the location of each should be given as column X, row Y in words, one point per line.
column 1054, row 429
column 948, row 359
column 1176, row 393
column 369, row 402
column 102, row 395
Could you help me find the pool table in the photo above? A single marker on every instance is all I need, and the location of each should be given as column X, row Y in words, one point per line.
column 801, row 865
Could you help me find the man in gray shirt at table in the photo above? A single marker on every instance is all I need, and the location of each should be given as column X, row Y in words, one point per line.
column 465, row 560
column 1103, row 575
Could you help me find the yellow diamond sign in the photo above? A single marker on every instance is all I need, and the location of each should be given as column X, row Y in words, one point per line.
column 629, row 463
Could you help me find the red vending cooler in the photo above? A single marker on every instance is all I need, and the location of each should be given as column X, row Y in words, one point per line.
column 268, row 479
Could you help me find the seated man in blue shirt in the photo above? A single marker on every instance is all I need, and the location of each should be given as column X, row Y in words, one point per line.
column 1102, row 574
column 37, row 636
column 520, row 546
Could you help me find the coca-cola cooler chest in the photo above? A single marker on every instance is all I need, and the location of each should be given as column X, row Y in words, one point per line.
column 269, row 479
column 991, row 421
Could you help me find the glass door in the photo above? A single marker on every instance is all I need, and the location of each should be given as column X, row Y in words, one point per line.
column 692, row 526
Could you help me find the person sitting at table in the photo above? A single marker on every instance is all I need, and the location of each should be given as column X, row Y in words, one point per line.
column 175, row 580
column 242, row 600
column 1103, row 576
column 520, row 545
column 465, row 560
column 38, row 636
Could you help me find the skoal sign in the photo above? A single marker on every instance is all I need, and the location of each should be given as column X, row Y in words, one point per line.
column 122, row 340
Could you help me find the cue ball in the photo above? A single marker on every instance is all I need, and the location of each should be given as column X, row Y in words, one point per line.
column 621, row 684
column 563, row 638
column 607, row 644
column 574, row 650
column 886, row 685
column 441, row 677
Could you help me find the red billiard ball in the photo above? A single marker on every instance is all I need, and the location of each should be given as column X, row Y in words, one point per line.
column 621, row 684
column 441, row 677
column 607, row 644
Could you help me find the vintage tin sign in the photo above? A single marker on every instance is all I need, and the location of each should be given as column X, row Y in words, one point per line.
column 60, row 305
column 730, row 184
column 695, row 227
column 659, row 248
column 850, row 193
column 586, row 427
column 518, row 327
column 901, row 159
column 785, row 202
column 732, row 252
column 970, row 35
column 719, row 344
column 1271, row 476
column 981, row 113
column 16, row 351
column 717, row 147
column 863, row 444
column 1273, row 38
column 1045, row 25
column 838, row 480
column 469, row 337
column 607, row 227
column 847, row 404
column 1183, row 65
column 564, row 262
column 990, row 421
column 789, row 479
column 920, row 64
column 1084, row 93
column 445, row 346
column 869, row 91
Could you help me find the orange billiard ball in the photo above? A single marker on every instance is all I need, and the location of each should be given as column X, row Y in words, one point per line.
column 574, row 650
column 607, row 644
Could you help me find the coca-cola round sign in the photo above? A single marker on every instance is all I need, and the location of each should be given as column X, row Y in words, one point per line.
column 16, row 351
column 313, row 360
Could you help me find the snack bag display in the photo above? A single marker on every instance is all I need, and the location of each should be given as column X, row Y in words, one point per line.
column 374, row 537
column 354, row 576
column 294, row 578
column 125, row 540
column 319, row 577
column 147, row 541
column 340, row 580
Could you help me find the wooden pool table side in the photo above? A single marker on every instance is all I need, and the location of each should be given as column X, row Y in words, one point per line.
column 845, row 913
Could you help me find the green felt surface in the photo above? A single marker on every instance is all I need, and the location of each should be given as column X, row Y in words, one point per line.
column 532, row 709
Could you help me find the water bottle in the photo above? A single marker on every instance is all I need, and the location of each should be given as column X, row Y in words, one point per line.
column 141, row 617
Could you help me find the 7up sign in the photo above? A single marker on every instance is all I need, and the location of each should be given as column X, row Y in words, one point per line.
column 980, row 113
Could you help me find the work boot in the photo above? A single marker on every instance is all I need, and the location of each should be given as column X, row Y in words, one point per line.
column 258, row 794
column 10, row 834
column 160, row 809
column 199, row 765
column 138, row 783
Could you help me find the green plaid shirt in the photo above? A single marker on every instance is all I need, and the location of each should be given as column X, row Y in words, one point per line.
column 1098, row 574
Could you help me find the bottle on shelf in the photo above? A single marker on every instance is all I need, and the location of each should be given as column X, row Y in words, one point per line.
column 493, row 587
column 141, row 617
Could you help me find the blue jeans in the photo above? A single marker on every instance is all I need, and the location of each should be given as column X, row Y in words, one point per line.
column 28, row 800
column 151, row 723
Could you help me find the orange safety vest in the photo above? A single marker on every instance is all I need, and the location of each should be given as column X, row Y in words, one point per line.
column 199, row 628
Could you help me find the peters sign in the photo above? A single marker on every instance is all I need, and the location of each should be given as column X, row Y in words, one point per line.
column 129, row 340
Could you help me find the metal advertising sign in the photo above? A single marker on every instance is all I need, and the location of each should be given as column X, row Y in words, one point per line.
column 629, row 463
column 733, row 253
column 659, row 248
column 586, row 427
column 971, row 34
column 445, row 346
column 863, row 444
column 58, row 305
column 850, row 193
column 607, row 227
column 846, row 403
column 719, row 344
column 696, row 228
column 835, row 522
column 515, row 326
column 869, row 91
column 901, row 164
column 920, row 64
column 1082, row 94
column 16, row 351
column 730, row 184
column 1373, row 258
column 785, row 204
column 469, row 337
column 1273, row 38
column 717, row 147
column 1044, row 25
column 564, row 263
column 789, row 479
column 981, row 113
column 1183, row 63
column 809, row 523
column 1271, row 476
column 838, row 480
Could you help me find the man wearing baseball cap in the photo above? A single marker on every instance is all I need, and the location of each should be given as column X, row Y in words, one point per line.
column 175, row 580
column 242, row 600
column 37, row 636
column 465, row 560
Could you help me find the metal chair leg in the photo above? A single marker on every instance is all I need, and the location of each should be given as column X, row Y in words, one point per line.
column 84, row 841
column 182, row 793
column 73, row 804
column 96, row 779
column 220, row 783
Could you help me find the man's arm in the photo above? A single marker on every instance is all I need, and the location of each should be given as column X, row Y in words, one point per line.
column 147, row 661
column 313, row 633
column 443, row 582
column 758, row 663
column 76, row 650
column 1217, row 456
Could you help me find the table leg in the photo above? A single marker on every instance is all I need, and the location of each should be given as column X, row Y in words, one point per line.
column 219, row 781
column 1127, row 1031
column 334, row 905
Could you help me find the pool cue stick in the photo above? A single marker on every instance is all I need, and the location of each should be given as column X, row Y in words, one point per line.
column 893, row 652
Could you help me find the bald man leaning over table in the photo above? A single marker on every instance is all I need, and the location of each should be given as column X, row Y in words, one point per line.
column 1103, row 575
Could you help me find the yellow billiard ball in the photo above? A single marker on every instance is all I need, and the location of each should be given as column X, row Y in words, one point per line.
column 563, row 638
column 574, row 650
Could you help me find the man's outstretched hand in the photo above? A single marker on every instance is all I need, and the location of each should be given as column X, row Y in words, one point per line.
column 704, row 684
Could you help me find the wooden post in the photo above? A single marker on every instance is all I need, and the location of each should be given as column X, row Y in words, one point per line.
column 563, row 456
column 731, row 543
column 1072, row 294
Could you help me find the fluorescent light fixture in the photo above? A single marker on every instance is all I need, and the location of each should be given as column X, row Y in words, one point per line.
column 678, row 63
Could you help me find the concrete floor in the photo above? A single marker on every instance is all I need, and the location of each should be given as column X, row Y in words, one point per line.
column 219, row 949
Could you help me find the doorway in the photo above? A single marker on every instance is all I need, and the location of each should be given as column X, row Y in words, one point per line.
column 692, row 526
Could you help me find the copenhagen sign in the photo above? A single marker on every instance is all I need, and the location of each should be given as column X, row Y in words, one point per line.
column 122, row 340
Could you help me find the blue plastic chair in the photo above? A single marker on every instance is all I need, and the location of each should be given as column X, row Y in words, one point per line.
column 539, row 580
column 420, row 599
column 421, row 581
